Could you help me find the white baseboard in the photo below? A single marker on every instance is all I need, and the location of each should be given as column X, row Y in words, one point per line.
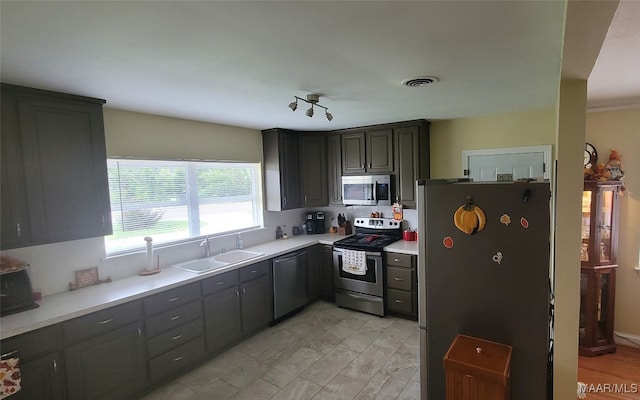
column 627, row 339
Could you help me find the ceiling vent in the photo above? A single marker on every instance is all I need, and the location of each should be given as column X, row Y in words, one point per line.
column 420, row 81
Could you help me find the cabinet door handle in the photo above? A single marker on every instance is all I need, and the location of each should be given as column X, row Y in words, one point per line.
column 396, row 259
column 171, row 300
column 220, row 283
column 9, row 354
column 370, row 164
column 104, row 221
column 139, row 332
column 175, row 317
column 399, row 301
column 19, row 229
column 285, row 200
column 254, row 271
column 55, row 366
column 106, row 321
column 178, row 358
column 238, row 294
column 176, row 337
column 398, row 279
column 244, row 291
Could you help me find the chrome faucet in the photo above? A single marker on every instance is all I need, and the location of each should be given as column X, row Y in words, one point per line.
column 207, row 248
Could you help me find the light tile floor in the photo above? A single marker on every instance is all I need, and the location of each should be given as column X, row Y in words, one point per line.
column 322, row 353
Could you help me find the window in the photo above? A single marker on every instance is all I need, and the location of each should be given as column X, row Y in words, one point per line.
column 172, row 201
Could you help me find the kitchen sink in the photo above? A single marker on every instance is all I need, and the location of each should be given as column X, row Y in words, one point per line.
column 201, row 265
column 235, row 256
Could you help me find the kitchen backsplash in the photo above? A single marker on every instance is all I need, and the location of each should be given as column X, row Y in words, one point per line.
column 53, row 265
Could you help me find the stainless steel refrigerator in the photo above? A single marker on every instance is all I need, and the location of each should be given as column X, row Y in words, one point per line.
column 485, row 277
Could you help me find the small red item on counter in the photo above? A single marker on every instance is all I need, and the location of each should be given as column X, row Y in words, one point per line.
column 409, row 236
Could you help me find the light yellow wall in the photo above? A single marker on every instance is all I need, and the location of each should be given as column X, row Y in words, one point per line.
column 449, row 138
column 135, row 134
column 567, row 200
column 620, row 130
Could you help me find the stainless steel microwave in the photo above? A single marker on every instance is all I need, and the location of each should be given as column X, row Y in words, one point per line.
column 366, row 190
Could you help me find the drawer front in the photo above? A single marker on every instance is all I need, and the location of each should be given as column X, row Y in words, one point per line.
column 400, row 278
column 100, row 322
column 171, row 298
column 400, row 302
column 219, row 282
column 32, row 344
column 400, row 260
column 174, row 338
column 177, row 359
column 173, row 318
column 254, row 271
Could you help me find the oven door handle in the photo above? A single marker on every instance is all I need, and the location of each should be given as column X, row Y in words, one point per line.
column 367, row 253
column 358, row 297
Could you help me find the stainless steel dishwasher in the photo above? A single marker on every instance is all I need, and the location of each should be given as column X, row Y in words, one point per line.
column 289, row 283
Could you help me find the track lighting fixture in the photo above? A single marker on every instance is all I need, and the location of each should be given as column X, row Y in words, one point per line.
column 313, row 100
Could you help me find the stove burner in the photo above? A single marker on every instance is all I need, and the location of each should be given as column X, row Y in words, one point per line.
column 366, row 241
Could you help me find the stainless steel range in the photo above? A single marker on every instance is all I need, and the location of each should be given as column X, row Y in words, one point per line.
column 358, row 263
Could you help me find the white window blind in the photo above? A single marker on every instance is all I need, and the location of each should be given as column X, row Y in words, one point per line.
column 172, row 201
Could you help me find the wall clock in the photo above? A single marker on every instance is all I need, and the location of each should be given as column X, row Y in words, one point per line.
column 590, row 155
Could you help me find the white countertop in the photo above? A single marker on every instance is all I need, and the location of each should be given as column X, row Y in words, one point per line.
column 64, row 306
column 403, row 246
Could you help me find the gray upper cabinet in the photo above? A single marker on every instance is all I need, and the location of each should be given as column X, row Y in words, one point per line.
column 353, row 156
column 334, row 168
column 55, row 184
column 368, row 152
column 281, row 169
column 305, row 169
column 313, row 163
column 411, row 160
column 379, row 151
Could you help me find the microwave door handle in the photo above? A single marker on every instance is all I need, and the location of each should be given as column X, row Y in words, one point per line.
column 375, row 192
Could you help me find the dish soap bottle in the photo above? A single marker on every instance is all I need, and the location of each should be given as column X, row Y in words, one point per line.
column 240, row 242
column 278, row 232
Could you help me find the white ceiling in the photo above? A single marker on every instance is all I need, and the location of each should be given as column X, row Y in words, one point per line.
column 240, row 62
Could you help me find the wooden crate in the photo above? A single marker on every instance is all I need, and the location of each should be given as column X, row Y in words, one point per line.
column 477, row 369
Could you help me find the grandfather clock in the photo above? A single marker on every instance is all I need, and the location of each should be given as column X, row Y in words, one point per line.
column 600, row 211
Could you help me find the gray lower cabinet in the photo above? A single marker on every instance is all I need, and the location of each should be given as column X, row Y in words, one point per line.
column 41, row 379
column 327, row 289
column 54, row 178
column 105, row 353
column 121, row 351
column 236, row 303
column 256, row 296
column 108, row 366
column 174, row 330
column 222, row 314
column 320, row 272
column 314, row 266
column 402, row 286
column 41, row 363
